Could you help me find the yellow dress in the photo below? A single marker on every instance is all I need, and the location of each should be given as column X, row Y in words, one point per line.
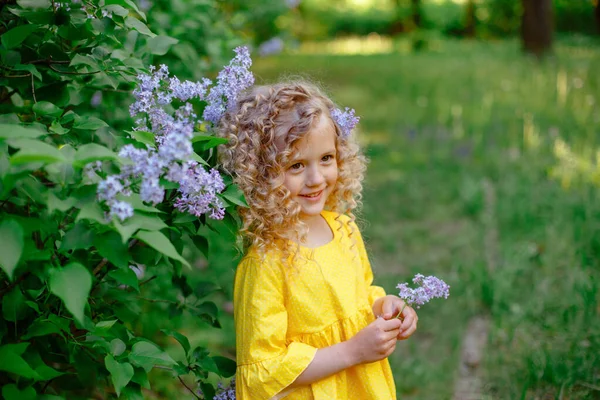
column 282, row 318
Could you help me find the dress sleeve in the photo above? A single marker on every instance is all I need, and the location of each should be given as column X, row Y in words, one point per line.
column 267, row 363
column 374, row 292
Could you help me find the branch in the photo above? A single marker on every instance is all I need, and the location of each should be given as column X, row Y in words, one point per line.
column 188, row 388
column 47, row 62
column 15, row 283
column 72, row 73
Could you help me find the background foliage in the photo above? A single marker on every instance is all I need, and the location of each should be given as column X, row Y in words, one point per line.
column 85, row 300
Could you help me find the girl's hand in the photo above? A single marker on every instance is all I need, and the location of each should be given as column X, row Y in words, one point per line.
column 390, row 306
column 376, row 341
column 409, row 320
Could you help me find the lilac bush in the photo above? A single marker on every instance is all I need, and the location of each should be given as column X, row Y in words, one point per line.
column 171, row 157
column 429, row 287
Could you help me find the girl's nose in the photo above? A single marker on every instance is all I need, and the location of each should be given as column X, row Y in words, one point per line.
column 315, row 177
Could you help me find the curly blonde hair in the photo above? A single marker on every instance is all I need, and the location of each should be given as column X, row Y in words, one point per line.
column 263, row 129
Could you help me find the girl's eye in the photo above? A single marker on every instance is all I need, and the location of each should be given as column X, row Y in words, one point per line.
column 326, row 158
column 296, row 166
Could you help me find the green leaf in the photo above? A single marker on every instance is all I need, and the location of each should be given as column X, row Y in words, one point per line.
column 147, row 355
column 117, row 347
column 80, row 236
column 183, row 340
column 57, row 128
column 12, row 392
column 84, row 60
column 110, row 246
column 11, row 131
column 13, row 306
column 54, row 203
column 92, row 211
column 235, row 195
column 120, row 373
column 12, row 362
column 209, row 141
column 208, row 390
column 103, row 327
column 204, row 288
column 208, row 364
column 88, row 153
column 47, row 108
column 29, row 68
column 201, row 244
column 140, row 376
column 11, row 246
column 161, row 44
column 162, row 244
column 72, row 285
column 117, row 10
column 226, row 366
column 134, row 23
column 89, row 123
column 15, row 36
column 137, row 222
column 143, row 137
column 125, row 276
column 41, row 327
column 35, row 4
column 34, row 151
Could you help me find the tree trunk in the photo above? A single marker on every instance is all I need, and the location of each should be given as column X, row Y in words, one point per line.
column 470, row 19
column 597, row 15
column 537, row 27
column 417, row 17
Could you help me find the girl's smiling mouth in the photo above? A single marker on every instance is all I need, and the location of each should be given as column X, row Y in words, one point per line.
column 312, row 196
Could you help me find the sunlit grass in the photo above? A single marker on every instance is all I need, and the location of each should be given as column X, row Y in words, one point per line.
column 443, row 129
column 436, row 125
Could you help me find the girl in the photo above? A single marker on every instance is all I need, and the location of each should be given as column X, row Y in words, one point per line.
column 309, row 323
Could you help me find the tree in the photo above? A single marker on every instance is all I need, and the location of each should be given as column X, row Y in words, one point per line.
column 597, row 15
column 537, row 27
column 470, row 19
column 417, row 16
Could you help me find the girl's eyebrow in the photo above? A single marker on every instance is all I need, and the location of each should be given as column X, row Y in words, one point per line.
column 300, row 158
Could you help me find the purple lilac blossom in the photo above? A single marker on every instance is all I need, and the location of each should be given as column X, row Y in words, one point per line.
column 199, row 190
column 429, row 287
column 170, row 158
column 270, row 47
column 233, row 79
column 292, row 3
column 227, row 393
column 346, row 120
column 121, row 210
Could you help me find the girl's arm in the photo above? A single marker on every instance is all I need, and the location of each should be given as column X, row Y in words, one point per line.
column 373, row 343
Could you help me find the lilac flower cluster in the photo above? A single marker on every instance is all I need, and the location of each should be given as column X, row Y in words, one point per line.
column 346, row 120
column 429, row 287
column 271, row 47
column 231, row 80
column 226, row 393
column 171, row 157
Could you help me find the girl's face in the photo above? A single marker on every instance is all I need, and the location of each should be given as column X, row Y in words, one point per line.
column 312, row 172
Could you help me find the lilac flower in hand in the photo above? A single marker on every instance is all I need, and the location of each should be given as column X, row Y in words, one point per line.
column 429, row 287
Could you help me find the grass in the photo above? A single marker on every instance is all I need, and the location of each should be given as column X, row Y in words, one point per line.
column 461, row 145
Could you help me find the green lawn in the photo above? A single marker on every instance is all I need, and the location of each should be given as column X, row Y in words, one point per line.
column 460, row 139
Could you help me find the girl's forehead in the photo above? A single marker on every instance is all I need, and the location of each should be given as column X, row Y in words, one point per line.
column 321, row 138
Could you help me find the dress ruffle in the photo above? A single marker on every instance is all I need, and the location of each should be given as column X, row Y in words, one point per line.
column 265, row 379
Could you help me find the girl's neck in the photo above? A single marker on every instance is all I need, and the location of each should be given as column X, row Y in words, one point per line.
column 319, row 232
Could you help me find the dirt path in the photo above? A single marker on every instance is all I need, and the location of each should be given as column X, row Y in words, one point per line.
column 469, row 384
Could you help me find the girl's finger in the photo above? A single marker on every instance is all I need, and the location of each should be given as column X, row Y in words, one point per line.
column 388, row 309
column 407, row 333
column 391, row 324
